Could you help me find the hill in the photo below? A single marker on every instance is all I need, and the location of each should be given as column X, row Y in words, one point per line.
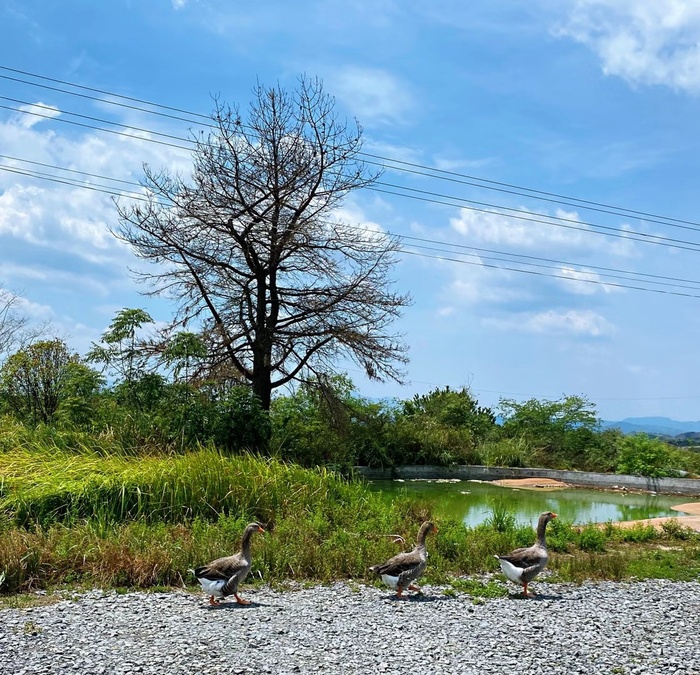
column 658, row 426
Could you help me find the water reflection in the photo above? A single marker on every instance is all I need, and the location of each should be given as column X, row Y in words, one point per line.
column 472, row 502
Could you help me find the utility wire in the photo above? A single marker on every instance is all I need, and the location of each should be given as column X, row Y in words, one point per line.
column 480, row 263
column 621, row 234
column 401, row 165
column 510, row 209
column 479, row 251
column 533, row 257
column 555, row 276
column 547, row 220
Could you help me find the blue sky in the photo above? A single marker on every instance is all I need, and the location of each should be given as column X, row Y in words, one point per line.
column 591, row 99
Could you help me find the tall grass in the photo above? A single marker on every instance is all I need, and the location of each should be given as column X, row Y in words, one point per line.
column 105, row 519
column 43, row 489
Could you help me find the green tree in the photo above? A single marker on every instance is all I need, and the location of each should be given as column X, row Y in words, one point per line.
column 120, row 351
column 563, row 431
column 80, row 400
column 182, row 351
column 642, row 455
column 33, row 380
column 453, row 408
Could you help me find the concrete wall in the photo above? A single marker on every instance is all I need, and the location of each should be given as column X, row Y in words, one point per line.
column 681, row 486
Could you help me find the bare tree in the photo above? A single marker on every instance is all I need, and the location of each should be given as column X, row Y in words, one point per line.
column 252, row 250
column 16, row 330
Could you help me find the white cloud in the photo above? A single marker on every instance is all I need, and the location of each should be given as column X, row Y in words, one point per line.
column 375, row 96
column 649, row 42
column 539, row 232
column 33, row 114
column 570, row 322
column 481, row 285
column 67, row 218
column 35, row 311
column 584, row 282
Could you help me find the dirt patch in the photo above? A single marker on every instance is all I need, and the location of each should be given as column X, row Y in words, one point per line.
column 693, row 522
column 532, row 483
column 693, row 508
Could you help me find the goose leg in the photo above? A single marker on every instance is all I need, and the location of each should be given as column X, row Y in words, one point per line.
column 212, row 601
column 240, row 600
column 399, row 592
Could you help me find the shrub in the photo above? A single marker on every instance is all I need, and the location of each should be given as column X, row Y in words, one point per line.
column 641, row 455
column 592, row 538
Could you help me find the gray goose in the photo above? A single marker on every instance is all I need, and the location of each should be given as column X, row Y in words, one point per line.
column 522, row 565
column 403, row 569
column 221, row 577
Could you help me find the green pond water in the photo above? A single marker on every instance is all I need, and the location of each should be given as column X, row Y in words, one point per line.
column 472, row 501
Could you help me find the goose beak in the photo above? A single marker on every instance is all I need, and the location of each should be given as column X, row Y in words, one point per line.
column 260, row 529
column 554, row 515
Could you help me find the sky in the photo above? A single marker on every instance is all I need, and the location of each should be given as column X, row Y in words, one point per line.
column 545, row 155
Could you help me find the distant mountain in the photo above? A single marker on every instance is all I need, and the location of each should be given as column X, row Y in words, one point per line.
column 652, row 425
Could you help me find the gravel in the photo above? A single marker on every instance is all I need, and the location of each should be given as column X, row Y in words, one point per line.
column 642, row 627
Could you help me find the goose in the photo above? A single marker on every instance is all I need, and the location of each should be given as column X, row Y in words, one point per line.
column 221, row 577
column 522, row 565
column 403, row 569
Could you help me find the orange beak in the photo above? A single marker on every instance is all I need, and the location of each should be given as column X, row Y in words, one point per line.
column 260, row 529
column 554, row 515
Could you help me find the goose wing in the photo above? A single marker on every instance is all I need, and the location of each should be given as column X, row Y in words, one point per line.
column 403, row 562
column 222, row 569
column 525, row 558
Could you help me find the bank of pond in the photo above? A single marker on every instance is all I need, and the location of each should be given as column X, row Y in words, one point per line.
column 92, row 518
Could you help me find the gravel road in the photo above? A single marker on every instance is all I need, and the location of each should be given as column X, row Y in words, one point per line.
column 644, row 627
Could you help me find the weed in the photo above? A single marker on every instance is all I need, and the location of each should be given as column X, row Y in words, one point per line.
column 480, row 589
column 112, row 521
column 31, row 628
column 673, row 529
column 592, row 538
column 501, row 518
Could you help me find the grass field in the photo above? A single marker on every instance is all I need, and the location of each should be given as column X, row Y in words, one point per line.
column 91, row 517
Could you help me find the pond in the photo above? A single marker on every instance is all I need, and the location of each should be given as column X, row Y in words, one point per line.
column 472, row 501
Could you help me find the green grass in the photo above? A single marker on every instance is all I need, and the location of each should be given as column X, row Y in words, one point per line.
column 480, row 589
column 88, row 517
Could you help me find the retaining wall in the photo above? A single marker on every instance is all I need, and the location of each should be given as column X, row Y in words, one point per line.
column 681, row 486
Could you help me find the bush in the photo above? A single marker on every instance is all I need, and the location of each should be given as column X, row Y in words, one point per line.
column 592, row 538
column 506, row 452
column 641, row 455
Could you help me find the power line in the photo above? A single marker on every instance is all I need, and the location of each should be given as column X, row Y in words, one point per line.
column 102, row 91
column 614, row 210
column 552, row 267
column 112, row 191
column 525, row 259
column 91, row 118
column 621, row 234
column 547, row 220
column 401, row 165
column 559, row 262
column 62, row 168
column 557, row 276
